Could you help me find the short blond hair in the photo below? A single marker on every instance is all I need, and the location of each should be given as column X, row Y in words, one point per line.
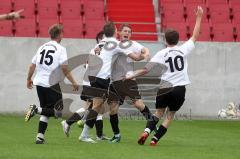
column 55, row 30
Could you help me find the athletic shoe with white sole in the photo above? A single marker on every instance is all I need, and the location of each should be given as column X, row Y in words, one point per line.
column 66, row 128
column 32, row 110
column 87, row 139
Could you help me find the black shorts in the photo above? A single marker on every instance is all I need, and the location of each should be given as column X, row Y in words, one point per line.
column 119, row 90
column 99, row 87
column 86, row 93
column 50, row 97
column 173, row 99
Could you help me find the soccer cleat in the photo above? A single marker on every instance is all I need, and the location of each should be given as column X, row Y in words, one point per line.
column 40, row 140
column 143, row 137
column 101, row 138
column 115, row 139
column 153, row 143
column 65, row 127
column 87, row 139
column 31, row 112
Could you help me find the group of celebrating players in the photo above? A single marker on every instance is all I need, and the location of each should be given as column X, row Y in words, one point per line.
column 110, row 78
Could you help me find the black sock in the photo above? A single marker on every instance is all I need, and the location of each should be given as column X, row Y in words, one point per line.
column 114, row 123
column 160, row 132
column 42, row 127
column 146, row 113
column 91, row 118
column 99, row 127
column 48, row 112
column 74, row 118
column 151, row 124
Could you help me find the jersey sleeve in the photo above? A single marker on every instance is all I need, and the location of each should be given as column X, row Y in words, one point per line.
column 63, row 57
column 137, row 47
column 187, row 47
column 155, row 60
column 34, row 59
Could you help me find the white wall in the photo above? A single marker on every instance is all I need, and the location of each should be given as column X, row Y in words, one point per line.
column 213, row 69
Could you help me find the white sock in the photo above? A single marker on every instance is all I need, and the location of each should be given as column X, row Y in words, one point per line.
column 100, row 117
column 147, row 130
column 80, row 111
column 85, row 131
column 39, row 110
column 117, row 135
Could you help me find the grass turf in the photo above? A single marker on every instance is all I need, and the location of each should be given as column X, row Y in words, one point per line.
column 184, row 140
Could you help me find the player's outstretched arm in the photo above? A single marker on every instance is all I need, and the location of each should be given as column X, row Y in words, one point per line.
column 137, row 73
column 12, row 15
column 69, row 76
column 197, row 27
column 136, row 57
column 30, row 74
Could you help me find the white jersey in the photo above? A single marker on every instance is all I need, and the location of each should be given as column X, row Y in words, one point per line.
column 101, row 66
column 48, row 59
column 175, row 60
column 124, row 65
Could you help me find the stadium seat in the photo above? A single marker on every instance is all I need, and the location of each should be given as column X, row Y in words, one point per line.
column 6, row 28
column 73, row 28
column 70, row 9
column 48, row 9
column 215, row 2
column 219, row 15
column 6, row 6
column 25, row 28
column 29, row 7
column 92, row 27
column 234, row 2
column 43, row 26
column 194, row 2
column 223, row 32
column 93, row 9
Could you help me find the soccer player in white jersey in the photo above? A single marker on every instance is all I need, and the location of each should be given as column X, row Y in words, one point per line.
column 100, row 79
column 174, row 58
column 50, row 62
column 85, row 96
column 127, row 88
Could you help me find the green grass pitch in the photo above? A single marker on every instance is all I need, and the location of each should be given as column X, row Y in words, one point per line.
column 184, row 140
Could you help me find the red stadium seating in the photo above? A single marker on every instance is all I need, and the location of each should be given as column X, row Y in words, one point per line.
column 215, row 2
column 48, row 9
column 92, row 27
column 5, row 6
column 93, row 9
column 205, row 33
column 144, row 37
column 70, row 9
column 191, row 16
column 223, row 32
column 6, row 28
column 194, row 2
column 73, row 28
column 25, row 28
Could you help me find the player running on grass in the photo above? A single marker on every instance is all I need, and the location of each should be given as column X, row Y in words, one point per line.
column 50, row 61
column 175, row 59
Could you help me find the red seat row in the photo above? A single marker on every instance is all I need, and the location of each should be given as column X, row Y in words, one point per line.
column 81, row 18
column 180, row 14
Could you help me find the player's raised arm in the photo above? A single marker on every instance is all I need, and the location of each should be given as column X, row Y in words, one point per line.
column 197, row 27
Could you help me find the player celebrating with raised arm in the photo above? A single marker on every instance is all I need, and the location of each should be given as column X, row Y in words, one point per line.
column 175, row 59
column 127, row 88
column 50, row 62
